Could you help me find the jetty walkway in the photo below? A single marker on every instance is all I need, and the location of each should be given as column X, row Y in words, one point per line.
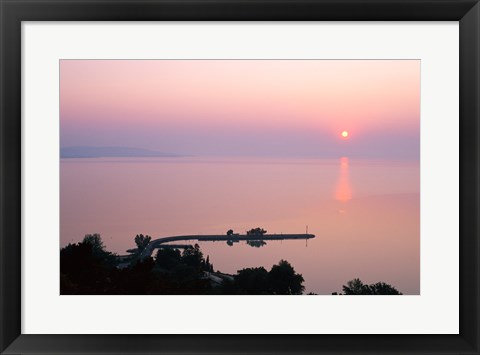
column 158, row 243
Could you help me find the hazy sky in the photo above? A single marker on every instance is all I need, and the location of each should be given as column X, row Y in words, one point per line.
column 281, row 108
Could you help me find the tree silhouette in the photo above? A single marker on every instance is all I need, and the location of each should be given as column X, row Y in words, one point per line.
column 280, row 280
column 142, row 241
column 95, row 240
column 207, row 265
column 98, row 248
column 283, row 280
column 85, row 267
column 382, row 288
column 168, row 258
column 252, row 281
column 193, row 257
column 357, row 287
column 256, row 232
column 230, row 232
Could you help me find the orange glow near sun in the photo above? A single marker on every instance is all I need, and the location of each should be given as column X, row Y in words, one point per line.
column 344, row 134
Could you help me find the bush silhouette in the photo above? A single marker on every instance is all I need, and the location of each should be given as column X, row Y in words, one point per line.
column 357, row 287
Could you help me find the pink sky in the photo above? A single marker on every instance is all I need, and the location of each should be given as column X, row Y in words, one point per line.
column 243, row 107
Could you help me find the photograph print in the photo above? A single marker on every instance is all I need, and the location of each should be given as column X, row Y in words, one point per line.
column 239, row 177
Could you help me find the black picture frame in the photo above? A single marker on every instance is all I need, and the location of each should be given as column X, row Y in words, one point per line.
column 13, row 12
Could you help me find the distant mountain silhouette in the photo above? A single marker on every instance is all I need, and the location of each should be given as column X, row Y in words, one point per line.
column 104, row 152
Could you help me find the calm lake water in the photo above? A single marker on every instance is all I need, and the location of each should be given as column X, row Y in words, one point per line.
column 365, row 213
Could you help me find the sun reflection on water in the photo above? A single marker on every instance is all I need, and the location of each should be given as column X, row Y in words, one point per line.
column 343, row 191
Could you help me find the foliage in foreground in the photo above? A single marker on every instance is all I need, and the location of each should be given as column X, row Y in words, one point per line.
column 87, row 268
column 357, row 287
column 280, row 280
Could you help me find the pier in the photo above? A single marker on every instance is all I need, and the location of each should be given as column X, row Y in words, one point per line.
column 159, row 243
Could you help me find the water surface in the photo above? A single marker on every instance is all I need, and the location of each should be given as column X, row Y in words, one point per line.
column 365, row 213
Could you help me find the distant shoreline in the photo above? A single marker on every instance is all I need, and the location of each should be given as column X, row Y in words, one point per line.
column 112, row 152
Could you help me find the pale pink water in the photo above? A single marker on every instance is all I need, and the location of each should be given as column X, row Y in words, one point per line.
column 365, row 214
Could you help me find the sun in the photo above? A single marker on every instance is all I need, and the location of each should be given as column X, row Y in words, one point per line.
column 345, row 134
